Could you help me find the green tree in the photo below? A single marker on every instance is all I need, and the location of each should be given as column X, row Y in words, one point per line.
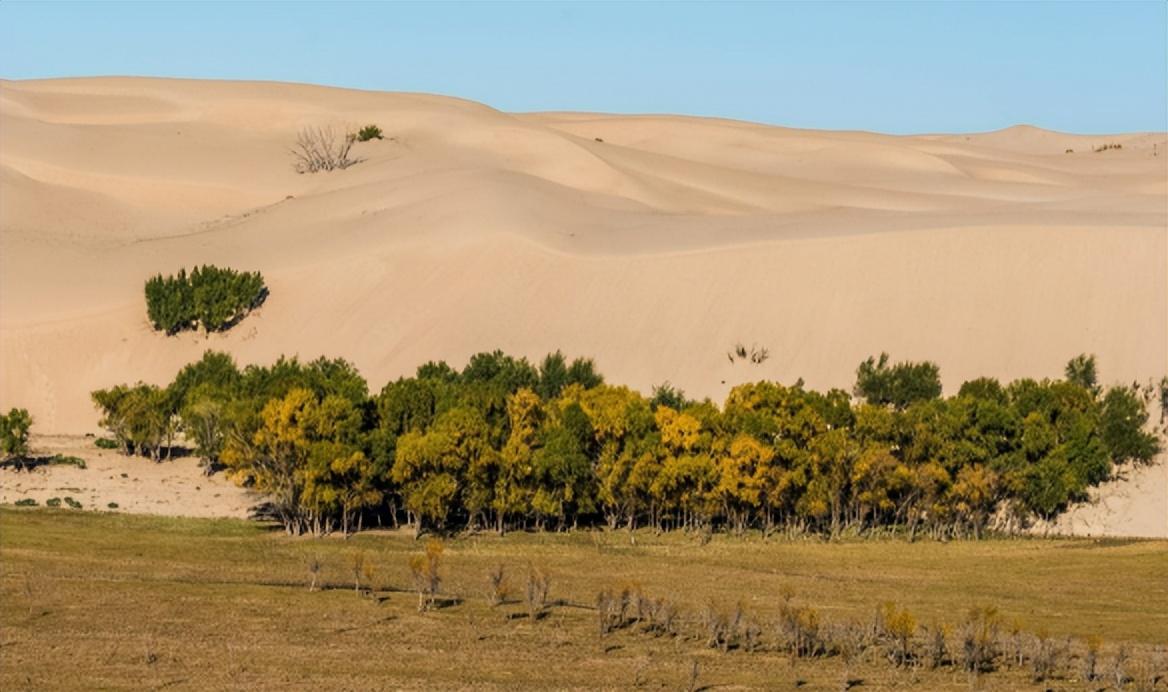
column 431, row 467
column 1080, row 370
column 1122, row 422
column 14, row 430
column 900, row 384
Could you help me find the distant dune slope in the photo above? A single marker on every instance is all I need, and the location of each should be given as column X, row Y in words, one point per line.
column 652, row 243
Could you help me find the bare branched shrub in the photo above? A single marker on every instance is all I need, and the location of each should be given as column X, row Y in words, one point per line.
column 607, row 611
column 899, row 628
column 1017, row 644
column 498, row 588
column 1119, row 667
column 851, row 640
column 538, row 584
column 664, row 617
column 716, row 625
column 315, row 564
column 751, row 636
column 938, row 645
column 799, row 631
column 1091, row 658
column 360, row 567
column 642, row 608
column 1043, row 657
column 979, row 639
column 427, row 580
column 1147, row 672
column 321, row 149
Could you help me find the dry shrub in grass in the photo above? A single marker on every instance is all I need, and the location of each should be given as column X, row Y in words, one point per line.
column 424, row 568
column 1017, row 644
column 360, row 566
column 717, row 626
column 657, row 616
column 642, row 607
column 536, row 596
column 979, row 639
column 321, row 149
column 899, row 627
column 664, row 617
column 751, row 636
column 1091, row 658
column 315, row 565
column 938, row 645
column 800, row 631
column 1119, row 667
column 1043, row 657
column 607, row 611
column 850, row 639
column 1148, row 672
column 499, row 589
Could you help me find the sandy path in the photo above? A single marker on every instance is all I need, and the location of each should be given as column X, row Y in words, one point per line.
column 134, row 484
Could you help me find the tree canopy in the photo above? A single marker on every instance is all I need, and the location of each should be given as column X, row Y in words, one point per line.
column 502, row 444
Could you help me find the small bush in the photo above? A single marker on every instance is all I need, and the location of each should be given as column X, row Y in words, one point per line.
column 1108, row 146
column 315, row 565
column 73, row 504
column 14, row 428
column 499, row 588
column 536, row 596
column 1091, row 659
column 209, row 297
column 320, row 149
column 427, row 580
column 62, row 460
column 26, row 502
column 112, row 505
column 369, row 132
column 53, row 502
column 979, row 640
column 106, row 443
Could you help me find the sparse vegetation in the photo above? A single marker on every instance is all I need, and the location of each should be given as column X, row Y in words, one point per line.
column 322, row 149
column 369, row 132
column 1108, row 147
column 241, row 575
column 757, row 355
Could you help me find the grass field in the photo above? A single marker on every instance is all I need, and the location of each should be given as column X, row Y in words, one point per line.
column 91, row 600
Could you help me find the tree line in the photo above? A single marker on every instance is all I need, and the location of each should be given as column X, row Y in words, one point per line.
column 507, row 444
column 209, row 297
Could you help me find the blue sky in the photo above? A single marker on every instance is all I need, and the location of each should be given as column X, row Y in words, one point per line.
column 890, row 67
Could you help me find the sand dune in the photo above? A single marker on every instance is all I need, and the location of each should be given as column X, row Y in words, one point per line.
column 652, row 243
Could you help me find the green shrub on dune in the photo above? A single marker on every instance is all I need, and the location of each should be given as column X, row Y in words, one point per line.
column 210, row 298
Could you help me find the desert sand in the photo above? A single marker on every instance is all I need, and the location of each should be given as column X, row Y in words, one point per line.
column 173, row 487
column 653, row 244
